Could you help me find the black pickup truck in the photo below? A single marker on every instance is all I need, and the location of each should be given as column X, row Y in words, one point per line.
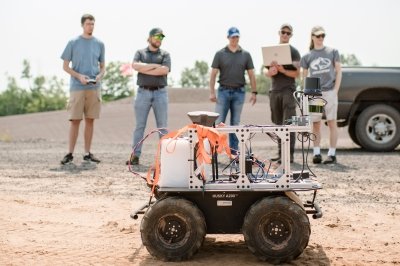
column 369, row 103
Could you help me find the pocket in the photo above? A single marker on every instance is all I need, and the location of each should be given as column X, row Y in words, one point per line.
column 99, row 97
column 70, row 103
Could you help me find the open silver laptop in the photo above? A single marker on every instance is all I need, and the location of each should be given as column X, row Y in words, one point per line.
column 279, row 53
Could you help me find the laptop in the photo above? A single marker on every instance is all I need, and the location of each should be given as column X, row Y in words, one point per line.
column 279, row 53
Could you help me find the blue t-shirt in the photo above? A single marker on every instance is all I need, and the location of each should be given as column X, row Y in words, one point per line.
column 85, row 55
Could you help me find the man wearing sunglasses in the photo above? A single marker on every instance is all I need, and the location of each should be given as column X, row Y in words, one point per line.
column 153, row 65
column 232, row 62
column 324, row 63
column 282, row 102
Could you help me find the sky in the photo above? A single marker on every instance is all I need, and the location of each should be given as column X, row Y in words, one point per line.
column 39, row 30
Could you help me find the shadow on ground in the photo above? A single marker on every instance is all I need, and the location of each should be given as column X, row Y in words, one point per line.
column 235, row 253
column 75, row 168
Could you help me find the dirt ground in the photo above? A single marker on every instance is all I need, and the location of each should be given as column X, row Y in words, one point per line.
column 79, row 214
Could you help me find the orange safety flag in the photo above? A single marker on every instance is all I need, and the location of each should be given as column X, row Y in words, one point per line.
column 218, row 141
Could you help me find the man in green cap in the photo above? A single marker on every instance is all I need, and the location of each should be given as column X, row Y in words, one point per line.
column 153, row 65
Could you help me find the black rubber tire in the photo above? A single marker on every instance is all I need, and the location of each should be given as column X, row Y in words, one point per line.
column 352, row 132
column 276, row 229
column 173, row 229
column 383, row 118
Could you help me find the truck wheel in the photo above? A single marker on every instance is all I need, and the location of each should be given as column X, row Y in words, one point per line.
column 377, row 128
column 173, row 229
column 276, row 229
column 352, row 133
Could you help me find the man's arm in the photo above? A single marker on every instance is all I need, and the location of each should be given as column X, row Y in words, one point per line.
column 82, row 78
column 290, row 73
column 102, row 71
column 305, row 73
column 158, row 71
column 253, row 86
column 213, row 77
column 271, row 70
column 338, row 68
column 150, row 69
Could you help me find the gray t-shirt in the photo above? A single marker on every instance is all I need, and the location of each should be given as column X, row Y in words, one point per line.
column 161, row 57
column 321, row 64
column 85, row 55
column 232, row 66
column 282, row 82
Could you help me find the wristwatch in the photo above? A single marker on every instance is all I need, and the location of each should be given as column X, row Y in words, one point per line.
column 254, row 92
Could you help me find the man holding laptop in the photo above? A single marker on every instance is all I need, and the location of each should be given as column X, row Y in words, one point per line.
column 283, row 75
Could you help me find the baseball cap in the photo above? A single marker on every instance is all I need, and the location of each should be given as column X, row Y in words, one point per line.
column 233, row 31
column 156, row 31
column 287, row 25
column 317, row 30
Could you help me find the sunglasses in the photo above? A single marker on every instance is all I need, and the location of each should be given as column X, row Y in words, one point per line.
column 288, row 33
column 158, row 37
column 320, row 36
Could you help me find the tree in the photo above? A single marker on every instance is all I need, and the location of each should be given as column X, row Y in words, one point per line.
column 43, row 95
column 47, row 95
column 14, row 99
column 349, row 60
column 196, row 77
column 115, row 82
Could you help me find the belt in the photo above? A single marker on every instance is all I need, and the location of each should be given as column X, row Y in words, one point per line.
column 230, row 87
column 152, row 88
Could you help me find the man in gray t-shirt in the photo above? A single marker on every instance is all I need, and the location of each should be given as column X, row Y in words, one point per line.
column 281, row 100
column 86, row 53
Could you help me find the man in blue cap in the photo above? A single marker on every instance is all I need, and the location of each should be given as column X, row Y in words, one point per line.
column 231, row 62
column 153, row 65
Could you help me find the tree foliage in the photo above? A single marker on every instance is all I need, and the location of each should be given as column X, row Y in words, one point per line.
column 48, row 94
column 349, row 60
column 115, row 85
column 14, row 99
column 196, row 77
column 42, row 95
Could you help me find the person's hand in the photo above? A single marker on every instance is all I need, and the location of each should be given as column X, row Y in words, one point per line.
column 98, row 77
column 272, row 71
column 213, row 98
column 253, row 98
column 83, row 79
column 281, row 69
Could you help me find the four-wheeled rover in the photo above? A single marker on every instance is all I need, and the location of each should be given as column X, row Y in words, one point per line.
column 195, row 194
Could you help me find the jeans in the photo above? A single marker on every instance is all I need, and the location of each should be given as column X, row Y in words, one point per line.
column 146, row 99
column 233, row 100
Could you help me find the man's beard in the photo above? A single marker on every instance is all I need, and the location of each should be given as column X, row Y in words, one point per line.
column 155, row 45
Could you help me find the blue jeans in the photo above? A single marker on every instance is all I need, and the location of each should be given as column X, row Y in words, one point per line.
column 233, row 100
column 146, row 99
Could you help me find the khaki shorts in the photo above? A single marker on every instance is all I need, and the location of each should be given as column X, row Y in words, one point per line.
column 331, row 107
column 86, row 102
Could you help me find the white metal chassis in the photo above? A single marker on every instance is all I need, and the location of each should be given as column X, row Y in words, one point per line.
column 284, row 181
